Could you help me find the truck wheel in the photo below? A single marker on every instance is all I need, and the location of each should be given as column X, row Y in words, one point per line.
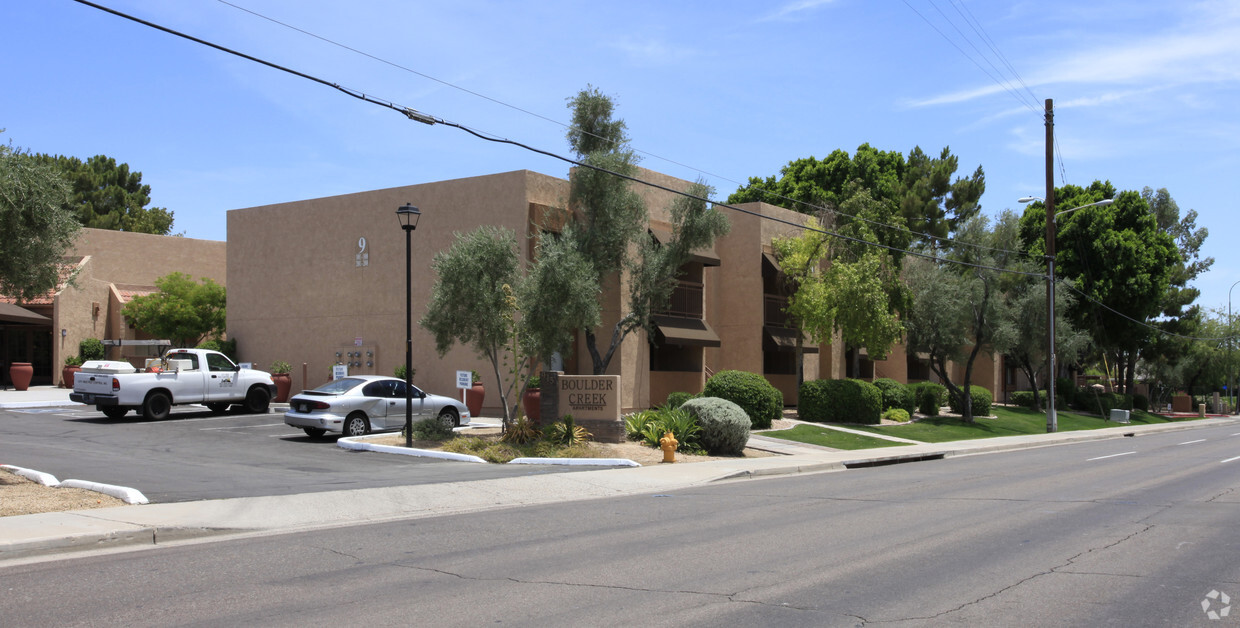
column 157, row 406
column 114, row 412
column 257, row 400
column 356, row 425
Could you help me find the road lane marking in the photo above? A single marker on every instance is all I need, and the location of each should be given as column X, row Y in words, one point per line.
column 1230, row 459
column 1199, row 440
column 1110, row 456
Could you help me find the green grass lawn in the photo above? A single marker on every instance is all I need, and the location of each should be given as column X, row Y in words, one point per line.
column 826, row 437
column 1009, row 422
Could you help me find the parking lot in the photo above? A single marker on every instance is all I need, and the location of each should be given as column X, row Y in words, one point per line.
column 195, row 454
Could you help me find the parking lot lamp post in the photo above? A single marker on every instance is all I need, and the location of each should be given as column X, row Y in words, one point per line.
column 408, row 215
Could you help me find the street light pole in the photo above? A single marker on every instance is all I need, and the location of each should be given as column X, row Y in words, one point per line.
column 1231, row 380
column 1052, row 418
column 408, row 215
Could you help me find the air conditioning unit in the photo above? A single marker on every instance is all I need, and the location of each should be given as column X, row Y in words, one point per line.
column 1120, row 416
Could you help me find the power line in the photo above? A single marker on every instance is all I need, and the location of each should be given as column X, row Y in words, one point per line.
column 1126, row 317
column 428, row 119
column 807, row 205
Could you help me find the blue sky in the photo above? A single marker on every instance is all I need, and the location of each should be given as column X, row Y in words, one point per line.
column 1145, row 93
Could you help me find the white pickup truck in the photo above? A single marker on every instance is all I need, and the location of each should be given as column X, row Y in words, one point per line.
column 182, row 376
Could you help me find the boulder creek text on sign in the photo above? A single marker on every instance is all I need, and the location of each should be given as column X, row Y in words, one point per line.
column 589, row 396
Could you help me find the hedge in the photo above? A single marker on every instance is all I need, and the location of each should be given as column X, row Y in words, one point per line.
column 840, row 401
column 896, row 395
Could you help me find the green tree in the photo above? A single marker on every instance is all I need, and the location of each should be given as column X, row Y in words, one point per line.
column 473, row 300
column 107, row 195
column 857, row 295
column 180, row 310
column 1026, row 299
column 959, row 309
column 917, row 195
column 36, row 228
column 1118, row 258
column 611, row 230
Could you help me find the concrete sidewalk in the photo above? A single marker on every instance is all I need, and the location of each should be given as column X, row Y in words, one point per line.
column 151, row 524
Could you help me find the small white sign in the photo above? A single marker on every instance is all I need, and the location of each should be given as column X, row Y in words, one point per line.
column 464, row 379
column 340, row 371
column 246, row 365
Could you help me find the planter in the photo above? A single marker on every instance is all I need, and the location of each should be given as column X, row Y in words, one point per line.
column 473, row 399
column 532, row 402
column 66, row 376
column 20, row 374
column 283, row 382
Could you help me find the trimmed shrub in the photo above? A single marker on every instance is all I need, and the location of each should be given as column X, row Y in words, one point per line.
column 430, row 429
column 656, row 422
column 896, row 414
column 677, row 399
column 1141, row 402
column 840, row 401
column 1025, row 398
column 725, row 426
column 981, row 401
column 896, row 395
column 930, row 397
column 90, row 349
column 761, row 401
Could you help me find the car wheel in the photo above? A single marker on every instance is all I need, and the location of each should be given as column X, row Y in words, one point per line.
column 157, row 406
column 257, row 400
column 218, row 408
column 449, row 417
column 114, row 412
column 314, row 432
column 356, row 425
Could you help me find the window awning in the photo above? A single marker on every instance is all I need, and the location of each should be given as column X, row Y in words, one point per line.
column 705, row 256
column 689, row 332
column 782, row 338
column 16, row 314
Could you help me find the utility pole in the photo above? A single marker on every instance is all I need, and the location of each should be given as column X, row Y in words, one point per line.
column 1052, row 420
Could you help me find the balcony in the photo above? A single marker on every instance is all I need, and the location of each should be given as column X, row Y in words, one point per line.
column 686, row 301
column 773, row 314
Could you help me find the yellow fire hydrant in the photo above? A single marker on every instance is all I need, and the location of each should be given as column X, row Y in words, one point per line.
column 669, row 445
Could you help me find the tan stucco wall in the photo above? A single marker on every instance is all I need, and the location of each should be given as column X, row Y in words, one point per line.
column 120, row 257
column 297, row 293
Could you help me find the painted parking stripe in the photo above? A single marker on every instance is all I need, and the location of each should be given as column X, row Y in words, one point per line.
column 1230, row 459
column 238, row 427
column 1199, row 440
column 1110, row 456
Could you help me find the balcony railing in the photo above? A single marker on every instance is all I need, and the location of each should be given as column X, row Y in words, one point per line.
column 773, row 311
column 686, row 301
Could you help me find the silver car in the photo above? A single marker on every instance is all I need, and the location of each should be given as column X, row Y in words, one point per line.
column 361, row 404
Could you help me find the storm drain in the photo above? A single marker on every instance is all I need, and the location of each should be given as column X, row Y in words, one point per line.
column 882, row 462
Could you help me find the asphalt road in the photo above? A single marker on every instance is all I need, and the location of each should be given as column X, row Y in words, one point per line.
column 1122, row 532
column 198, row 455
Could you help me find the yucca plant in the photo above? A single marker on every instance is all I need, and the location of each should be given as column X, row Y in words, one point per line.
column 635, row 424
column 680, row 423
column 522, row 431
column 565, row 432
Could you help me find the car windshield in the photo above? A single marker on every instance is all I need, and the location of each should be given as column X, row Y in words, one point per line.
column 339, row 386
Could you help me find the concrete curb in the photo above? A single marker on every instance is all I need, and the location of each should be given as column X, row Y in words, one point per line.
column 123, row 493
column 46, row 479
column 358, row 443
column 578, row 462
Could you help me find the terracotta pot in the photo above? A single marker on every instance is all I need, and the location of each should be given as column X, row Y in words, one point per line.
column 473, row 399
column 532, row 402
column 66, row 376
column 20, row 374
column 283, row 382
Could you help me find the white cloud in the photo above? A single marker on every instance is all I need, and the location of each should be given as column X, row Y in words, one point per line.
column 1198, row 55
column 653, row 51
column 791, row 9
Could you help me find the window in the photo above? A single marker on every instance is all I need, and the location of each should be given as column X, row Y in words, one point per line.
column 219, row 362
